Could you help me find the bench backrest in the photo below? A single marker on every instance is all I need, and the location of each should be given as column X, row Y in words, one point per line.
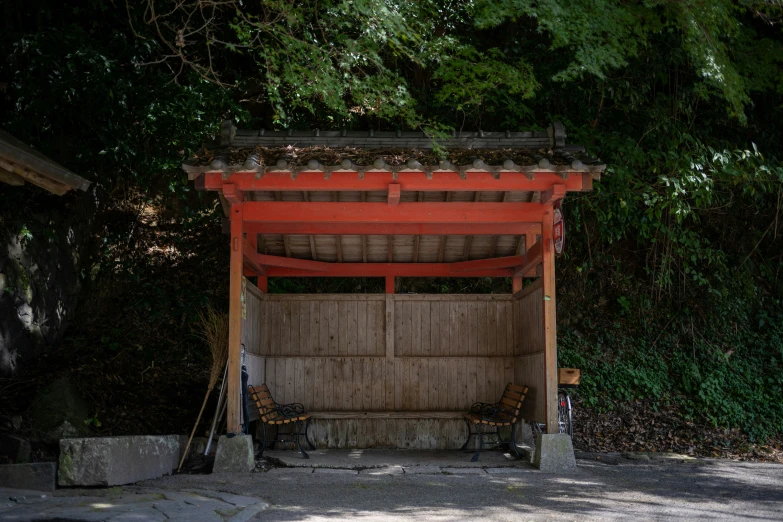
column 512, row 399
column 262, row 397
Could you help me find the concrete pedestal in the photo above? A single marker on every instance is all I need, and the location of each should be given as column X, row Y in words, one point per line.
column 234, row 455
column 554, row 453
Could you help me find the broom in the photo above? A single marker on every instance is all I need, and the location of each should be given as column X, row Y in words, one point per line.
column 212, row 328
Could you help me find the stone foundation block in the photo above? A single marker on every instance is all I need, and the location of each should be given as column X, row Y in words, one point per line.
column 112, row 461
column 554, row 453
column 38, row 476
column 234, row 454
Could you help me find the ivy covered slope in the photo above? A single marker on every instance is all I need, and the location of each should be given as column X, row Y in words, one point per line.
column 670, row 288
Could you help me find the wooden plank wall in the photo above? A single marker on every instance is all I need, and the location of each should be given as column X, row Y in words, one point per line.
column 252, row 331
column 529, row 363
column 330, row 353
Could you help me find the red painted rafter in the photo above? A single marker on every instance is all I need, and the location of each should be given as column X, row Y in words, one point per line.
column 487, row 264
column 356, row 213
column 387, row 270
column 394, row 229
column 533, row 258
column 380, row 181
column 268, row 261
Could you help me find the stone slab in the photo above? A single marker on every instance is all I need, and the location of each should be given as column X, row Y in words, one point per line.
column 464, row 471
column 423, row 470
column 286, row 471
column 37, row 476
column 379, row 458
column 113, row 461
column 234, row 455
column 333, row 471
column 554, row 453
column 131, row 504
column 509, row 471
column 388, row 470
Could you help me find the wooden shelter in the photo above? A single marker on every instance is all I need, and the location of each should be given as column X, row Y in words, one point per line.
column 380, row 370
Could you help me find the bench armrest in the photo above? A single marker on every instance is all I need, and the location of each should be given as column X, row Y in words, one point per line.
column 290, row 410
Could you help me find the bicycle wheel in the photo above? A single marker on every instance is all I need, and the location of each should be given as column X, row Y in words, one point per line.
column 564, row 413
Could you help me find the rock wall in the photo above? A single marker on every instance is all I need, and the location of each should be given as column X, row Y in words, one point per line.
column 43, row 249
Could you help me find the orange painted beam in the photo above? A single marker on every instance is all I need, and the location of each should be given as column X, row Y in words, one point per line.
column 387, row 270
column 287, row 262
column 532, row 258
column 355, row 213
column 483, row 264
column 394, row 194
column 389, row 284
column 554, row 193
column 380, row 181
column 232, row 194
column 394, row 229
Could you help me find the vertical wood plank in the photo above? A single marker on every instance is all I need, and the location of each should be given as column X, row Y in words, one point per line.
column 435, row 337
column 334, row 336
column 415, row 384
column 390, row 320
column 495, row 325
column 454, row 384
column 432, row 378
column 389, row 384
column 318, row 390
column 425, row 328
column 378, row 398
column 358, row 384
column 454, row 330
column 299, row 381
column 315, row 329
column 304, row 329
column 472, row 374
column 290, row 381
column 443, row 379
column 474, row 322
column 361, row 328
column 508, row 312
column 337, row 383
column 342, row 328
column 481, row 380
column 323, row 328
column 415, row 326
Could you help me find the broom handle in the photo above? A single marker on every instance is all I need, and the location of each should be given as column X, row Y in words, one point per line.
column 193, row 432
column 217, row 409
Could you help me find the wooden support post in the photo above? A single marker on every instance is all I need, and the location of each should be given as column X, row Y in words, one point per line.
column 516, row 284
column 389, row 284
column 235, row 320
column 550, row 324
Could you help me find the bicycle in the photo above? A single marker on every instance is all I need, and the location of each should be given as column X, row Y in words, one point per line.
column 567, row 379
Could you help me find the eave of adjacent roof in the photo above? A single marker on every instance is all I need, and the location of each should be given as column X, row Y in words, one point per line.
column 27, row 164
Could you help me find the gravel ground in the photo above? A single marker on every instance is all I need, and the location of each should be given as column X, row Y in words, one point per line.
column 611, row 489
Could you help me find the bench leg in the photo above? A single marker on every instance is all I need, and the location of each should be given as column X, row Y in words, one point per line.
column 513, row 442
column 470, row 434
column 481, row 444
column 299, row 425
column 263, row 444
column 310, row 445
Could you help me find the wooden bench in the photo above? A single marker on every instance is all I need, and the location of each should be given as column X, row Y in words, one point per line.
column 272, row 413
column 501, row 414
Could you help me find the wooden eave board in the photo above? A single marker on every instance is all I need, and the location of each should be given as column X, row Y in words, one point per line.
column 37, row 168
